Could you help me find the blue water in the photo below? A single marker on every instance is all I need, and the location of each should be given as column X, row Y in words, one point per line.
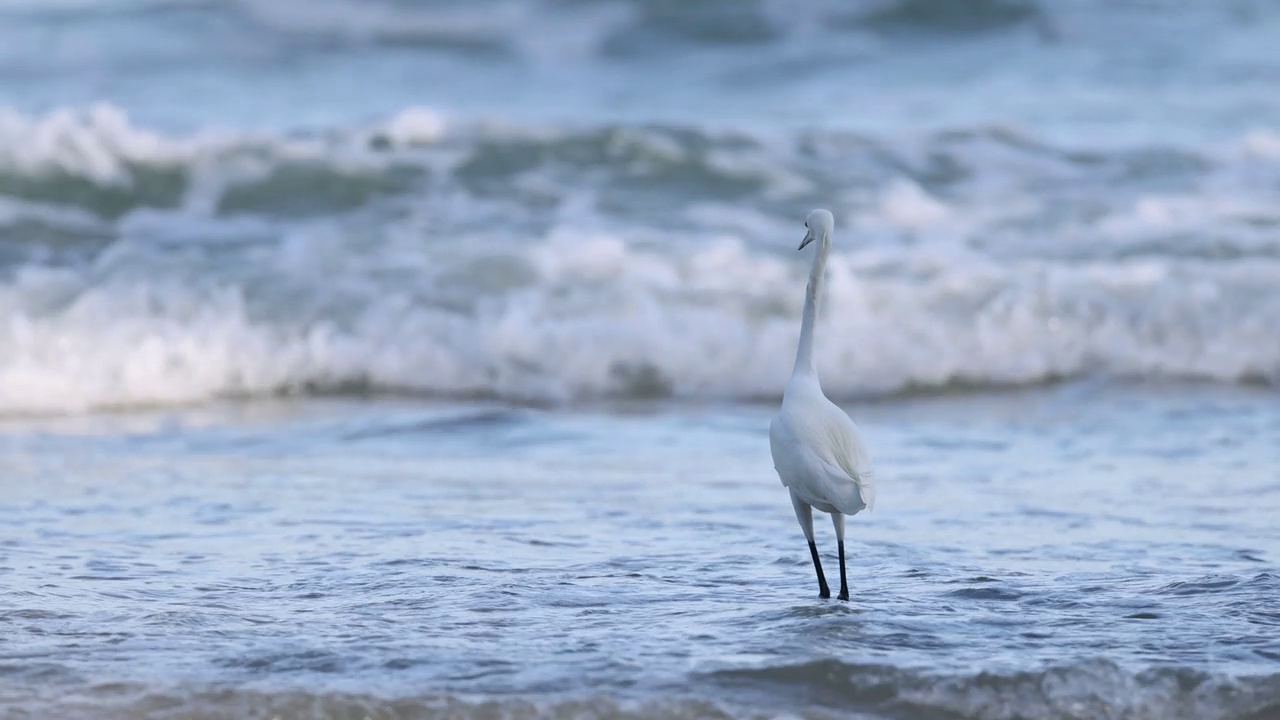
column 416, row 359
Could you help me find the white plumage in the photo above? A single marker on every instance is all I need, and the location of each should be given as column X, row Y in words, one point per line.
column 816, row 448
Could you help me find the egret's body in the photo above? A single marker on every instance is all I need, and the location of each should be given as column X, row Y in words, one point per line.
column 816, row 448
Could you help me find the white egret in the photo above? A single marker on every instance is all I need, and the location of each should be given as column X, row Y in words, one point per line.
column 816, row 448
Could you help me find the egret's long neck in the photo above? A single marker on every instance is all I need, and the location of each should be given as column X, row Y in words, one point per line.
column 812, row 296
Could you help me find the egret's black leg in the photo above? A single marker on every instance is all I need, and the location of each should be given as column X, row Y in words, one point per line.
column 844, row 584
column 823, row 590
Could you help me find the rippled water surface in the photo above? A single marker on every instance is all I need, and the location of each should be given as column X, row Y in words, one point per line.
column 1085, row 550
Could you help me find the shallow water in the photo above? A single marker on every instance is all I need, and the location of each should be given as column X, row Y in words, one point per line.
column 1092, row 550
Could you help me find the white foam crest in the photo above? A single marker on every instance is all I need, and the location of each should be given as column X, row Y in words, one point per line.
column 414, row 126
column 593, row 317
column 1262, row 143
column 101, row 145
column 910, row 207
column 96, row 142
column 1153, row 214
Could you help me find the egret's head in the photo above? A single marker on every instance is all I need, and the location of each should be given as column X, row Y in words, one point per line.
column 819, row 225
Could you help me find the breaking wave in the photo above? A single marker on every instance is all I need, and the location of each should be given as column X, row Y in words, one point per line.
column 416, row 255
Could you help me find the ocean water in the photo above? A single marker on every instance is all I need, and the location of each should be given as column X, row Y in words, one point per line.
column 405, row 359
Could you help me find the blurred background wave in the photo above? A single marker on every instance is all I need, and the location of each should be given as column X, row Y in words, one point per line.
column 553, row 201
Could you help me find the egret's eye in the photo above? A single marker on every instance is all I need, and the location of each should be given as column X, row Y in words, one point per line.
column 806, row 224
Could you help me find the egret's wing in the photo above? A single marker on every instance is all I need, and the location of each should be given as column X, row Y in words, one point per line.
column 782, row 447
column 849, row 460
column 822, row 457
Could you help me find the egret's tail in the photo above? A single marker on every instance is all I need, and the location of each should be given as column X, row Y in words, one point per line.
column 867, row 490
column 861, row 495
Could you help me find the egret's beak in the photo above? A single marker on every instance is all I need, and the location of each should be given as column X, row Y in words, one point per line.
column 808, row 238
